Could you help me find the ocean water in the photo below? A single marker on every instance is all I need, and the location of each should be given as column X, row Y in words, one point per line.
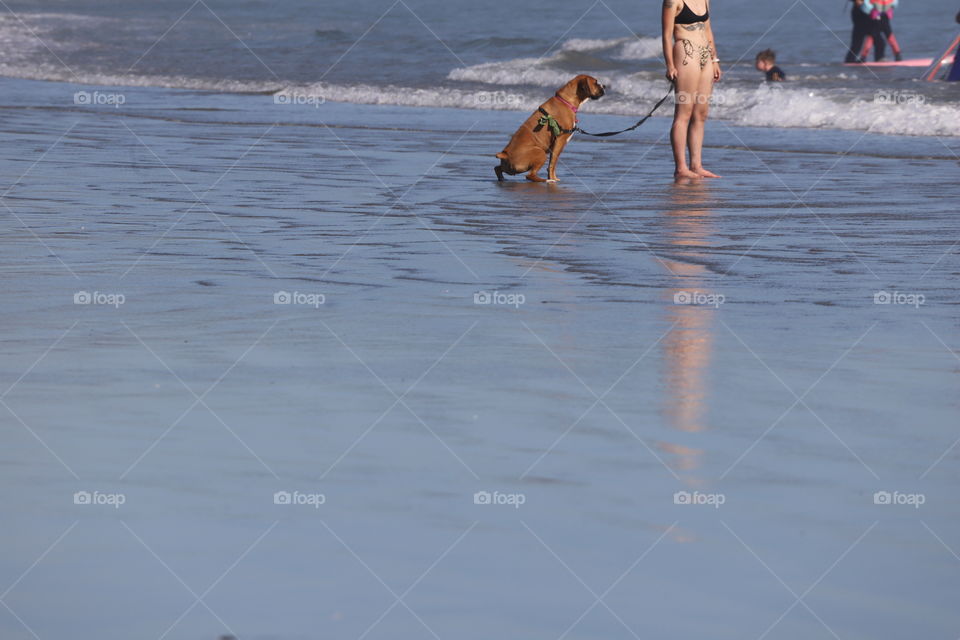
column 471, row 55
column 578, row 390
column 281, row 360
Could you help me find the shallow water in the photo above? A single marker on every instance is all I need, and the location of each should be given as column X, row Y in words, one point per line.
column 788, row 394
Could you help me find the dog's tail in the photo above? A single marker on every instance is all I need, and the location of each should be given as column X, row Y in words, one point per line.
column 502, row 155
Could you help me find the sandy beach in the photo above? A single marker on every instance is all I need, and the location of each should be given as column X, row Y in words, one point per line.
column 315, row 374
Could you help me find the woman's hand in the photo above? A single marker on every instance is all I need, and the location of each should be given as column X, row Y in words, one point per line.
column 717, row 72
column 671, row 73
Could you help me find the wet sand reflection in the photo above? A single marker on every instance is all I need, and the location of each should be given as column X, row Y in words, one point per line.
column 687, row 349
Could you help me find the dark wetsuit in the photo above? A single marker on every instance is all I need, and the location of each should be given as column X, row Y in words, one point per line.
column 862, row 27
column 880, row 30
column 776, row 74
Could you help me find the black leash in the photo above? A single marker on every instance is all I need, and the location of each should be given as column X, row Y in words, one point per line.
column 645, row 118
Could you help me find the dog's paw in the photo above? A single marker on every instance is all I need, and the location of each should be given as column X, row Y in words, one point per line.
column 553, row 180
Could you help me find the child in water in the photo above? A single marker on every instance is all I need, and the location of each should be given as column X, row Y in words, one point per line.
column 767, row 63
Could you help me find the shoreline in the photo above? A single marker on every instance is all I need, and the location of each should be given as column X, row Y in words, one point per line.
column 615, row 118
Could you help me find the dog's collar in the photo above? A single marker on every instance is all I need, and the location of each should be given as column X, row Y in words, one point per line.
column 572, row 107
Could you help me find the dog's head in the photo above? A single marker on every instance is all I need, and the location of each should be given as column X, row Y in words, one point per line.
column 588, row 88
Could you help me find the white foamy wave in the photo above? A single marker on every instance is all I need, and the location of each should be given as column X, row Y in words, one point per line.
column 24, row 35
column 542, row 72
column 25, row 38
column 641, row 49
column 527, row 71
column 780, row 106
column 410, row 97
column 810, row 109
column 56, row 73
column 636, row 48
column 633, row 95
column 586, row 44
column 755, row 107
column 762, row 106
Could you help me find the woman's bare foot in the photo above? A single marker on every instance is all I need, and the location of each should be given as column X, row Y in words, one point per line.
column 703, row 173
column 681, row 174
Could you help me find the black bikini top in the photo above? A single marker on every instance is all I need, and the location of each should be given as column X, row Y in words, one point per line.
column 686, row 16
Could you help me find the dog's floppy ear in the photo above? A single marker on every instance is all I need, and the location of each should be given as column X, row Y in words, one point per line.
column 583, row 89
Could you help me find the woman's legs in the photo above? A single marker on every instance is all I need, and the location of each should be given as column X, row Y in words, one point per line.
column 887, row 27
column 698, row 122
column 688, row 76
column 879, row 40
column 857, row 36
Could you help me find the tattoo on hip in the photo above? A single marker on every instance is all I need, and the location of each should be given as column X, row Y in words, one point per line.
column 690, row 50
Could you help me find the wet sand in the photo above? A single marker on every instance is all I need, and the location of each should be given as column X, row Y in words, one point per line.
column 586, row 386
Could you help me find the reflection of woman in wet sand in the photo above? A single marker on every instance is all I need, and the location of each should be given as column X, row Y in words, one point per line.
column 693, row 65
column 688, row 347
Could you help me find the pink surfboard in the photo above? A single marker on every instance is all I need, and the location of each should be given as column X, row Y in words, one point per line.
column 916, row 62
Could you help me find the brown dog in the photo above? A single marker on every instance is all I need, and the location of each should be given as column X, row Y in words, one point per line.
column 532, row 143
